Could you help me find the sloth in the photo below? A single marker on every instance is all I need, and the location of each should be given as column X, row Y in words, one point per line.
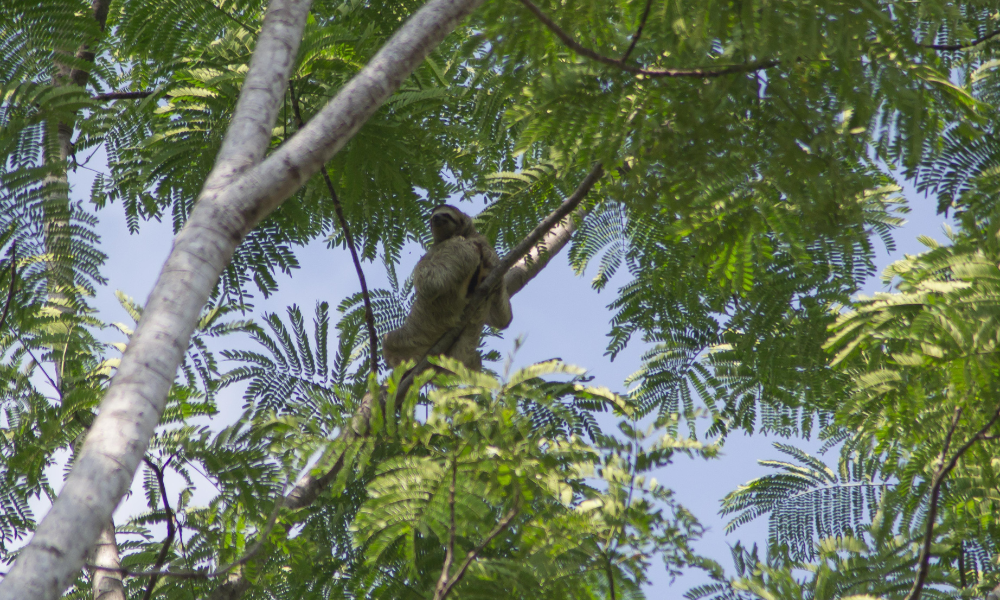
column 455, row 264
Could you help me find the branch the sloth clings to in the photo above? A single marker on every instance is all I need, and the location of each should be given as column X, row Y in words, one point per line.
column 456, row 263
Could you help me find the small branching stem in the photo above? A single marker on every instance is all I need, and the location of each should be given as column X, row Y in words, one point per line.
column 959, row 47
column 205, row 574
column 944, row 469
column 635, row 38
column 369, row 313
column 442, row 592
column 171, row 530
column 620, row 63
column 449, row 553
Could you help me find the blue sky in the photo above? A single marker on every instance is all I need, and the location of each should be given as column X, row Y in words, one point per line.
column 558, row 314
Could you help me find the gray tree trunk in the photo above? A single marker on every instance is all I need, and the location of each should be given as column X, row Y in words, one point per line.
column 239, row 192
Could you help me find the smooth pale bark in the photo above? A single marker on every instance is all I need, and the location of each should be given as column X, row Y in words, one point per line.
column 107, row 584
column 131, row 409
column 238, row 193
column 554, row 241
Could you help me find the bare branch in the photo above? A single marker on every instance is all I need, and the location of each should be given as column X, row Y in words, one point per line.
column 939, row 477
column 958, row 47
column 621, row 64
column 249, row 132
column 223, row 570
column 535, row 260
column 106, row 584
column 369, row 313
column 123, row 95
column 638, row 33
column 474, row 553
column 171, row 530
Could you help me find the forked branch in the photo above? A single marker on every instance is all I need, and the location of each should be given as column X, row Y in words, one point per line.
column 449, row 582
column 620, row 63
column 171, row 529
column 942, row 472
column 224, row 569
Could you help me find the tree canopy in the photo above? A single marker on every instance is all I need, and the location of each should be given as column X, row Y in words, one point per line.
column 741, row 162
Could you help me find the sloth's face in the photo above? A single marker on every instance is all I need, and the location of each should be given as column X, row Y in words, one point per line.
column 443, row 225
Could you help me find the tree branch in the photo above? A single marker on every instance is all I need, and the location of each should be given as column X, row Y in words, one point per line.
column 249, row 132
column 535, row 260
column 449, row 552
column 123, row 95
column 621, row 64
column 939, row 477
column 472, row 554
column 103, row 471
column 106, row 583
column 958, row 47
column 205, row 574
column 171, row 530
column 638, row 34
column 369, row 313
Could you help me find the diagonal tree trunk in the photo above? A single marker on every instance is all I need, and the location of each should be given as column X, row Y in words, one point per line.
column 239, row 192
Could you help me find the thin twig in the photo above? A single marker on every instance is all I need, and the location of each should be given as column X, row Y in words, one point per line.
column 278, row 503
column 621, row 64
column 635, row 40
column 611, row 577
column 943, row 471
column 61, row 369
column 39, row 365
column 957, row 47
column 961, row 564
column 171, row 530
column 123, row 95
column 612, row 542
column 369, row 313
column 472, row 554
column 440, row 590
